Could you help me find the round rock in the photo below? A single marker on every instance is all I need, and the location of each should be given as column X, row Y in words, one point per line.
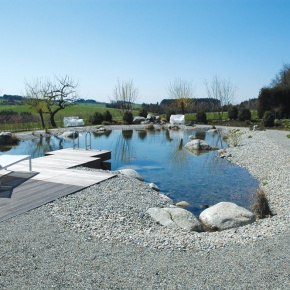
column 225, row 215
column 131, row 173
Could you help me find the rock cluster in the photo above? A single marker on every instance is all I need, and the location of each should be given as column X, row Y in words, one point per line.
column 149, row 119
column 221, row 216
column 70, row 134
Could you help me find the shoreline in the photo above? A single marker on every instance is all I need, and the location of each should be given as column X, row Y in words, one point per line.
column 251, row 154
column 99, row 238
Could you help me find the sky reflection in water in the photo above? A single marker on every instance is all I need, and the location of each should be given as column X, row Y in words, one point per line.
column 160, row 157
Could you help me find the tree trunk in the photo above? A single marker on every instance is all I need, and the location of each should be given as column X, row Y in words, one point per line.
column 41, row 118
column 52, row 122
column 182, row 108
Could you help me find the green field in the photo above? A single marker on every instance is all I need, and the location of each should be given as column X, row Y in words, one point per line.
column 84, row 111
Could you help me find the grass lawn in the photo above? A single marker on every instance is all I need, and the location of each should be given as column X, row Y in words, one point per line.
column 84, row 111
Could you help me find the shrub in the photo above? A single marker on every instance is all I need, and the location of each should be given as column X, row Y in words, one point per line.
column 11, row 117
column 244, row 114
column 277, row 123
column 201, row 117
column 108, row 116
column 233, row 112
column 234, row 138
column 143, row 113
column 168, row 114
column 128, row 117
column 97, row 118
column 260, row 205
column 268, row 119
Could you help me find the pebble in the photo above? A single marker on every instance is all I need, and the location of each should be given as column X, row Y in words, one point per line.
column 114, row 210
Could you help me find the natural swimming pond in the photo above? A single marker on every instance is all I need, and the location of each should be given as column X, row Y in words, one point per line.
column 160, row 157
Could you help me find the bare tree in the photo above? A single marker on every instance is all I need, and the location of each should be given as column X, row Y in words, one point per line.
column 182, row 91
column 49, row 97
column 125, row 95
column 36, row 93
column 62, row 95
column 222, row 93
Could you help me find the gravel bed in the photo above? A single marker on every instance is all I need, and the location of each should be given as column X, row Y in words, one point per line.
column 101, row 238
column 115, row 209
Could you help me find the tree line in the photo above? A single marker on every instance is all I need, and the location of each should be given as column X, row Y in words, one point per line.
column 275, row 98
column 46, row 96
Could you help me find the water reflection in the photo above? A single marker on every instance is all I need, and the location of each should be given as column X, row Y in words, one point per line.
column 45, row 144
column 167, row 135
column 200, row 135
column 142, row 134
column 160, row 157
column 123, row 149
column 177, row 158
column 100, row 134
column 127, row 134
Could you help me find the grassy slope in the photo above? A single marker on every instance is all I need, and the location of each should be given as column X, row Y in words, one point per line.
column 84, row 111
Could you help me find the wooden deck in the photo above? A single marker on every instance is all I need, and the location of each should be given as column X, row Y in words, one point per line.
column 52, row 177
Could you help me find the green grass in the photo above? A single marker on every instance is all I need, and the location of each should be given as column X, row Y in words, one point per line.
column 15, row 108
column 84, row 111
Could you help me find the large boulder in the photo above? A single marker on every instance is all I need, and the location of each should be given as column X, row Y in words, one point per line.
column 177, row 120
column 100, row 128
column 138, row 120
column 149, row 126
column 70, row 134
column 6, row 138
column 213, row 131
column 175, row 217
column 225, row 215
column 151, row 118
column 131, row 173
column 197, row 144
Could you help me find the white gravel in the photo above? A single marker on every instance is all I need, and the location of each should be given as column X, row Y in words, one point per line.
column 100, row 238
column 114, row 210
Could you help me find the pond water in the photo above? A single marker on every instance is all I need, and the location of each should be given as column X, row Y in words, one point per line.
column 160, row 157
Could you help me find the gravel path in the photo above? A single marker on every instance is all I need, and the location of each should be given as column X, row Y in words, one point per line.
column 100, row 238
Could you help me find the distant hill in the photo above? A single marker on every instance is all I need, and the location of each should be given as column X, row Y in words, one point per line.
column 11, row 97
column 89, row 101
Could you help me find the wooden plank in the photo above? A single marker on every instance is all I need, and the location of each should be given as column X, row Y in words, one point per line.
column 51, row 179
column 103, row 154
column 35, row 201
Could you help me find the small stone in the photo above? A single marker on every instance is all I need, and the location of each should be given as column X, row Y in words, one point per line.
column 182, row 204
column 154, row 186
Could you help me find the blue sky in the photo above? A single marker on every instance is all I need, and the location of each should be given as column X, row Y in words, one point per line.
column 97, row 42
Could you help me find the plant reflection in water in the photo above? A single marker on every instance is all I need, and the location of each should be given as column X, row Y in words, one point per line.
column 160, row 157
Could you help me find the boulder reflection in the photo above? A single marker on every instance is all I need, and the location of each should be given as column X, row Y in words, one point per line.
column 98, row 134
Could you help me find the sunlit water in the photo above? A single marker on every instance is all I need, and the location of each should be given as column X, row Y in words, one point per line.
column 160, row 157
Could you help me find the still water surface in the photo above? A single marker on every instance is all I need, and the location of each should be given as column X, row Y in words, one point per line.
column 160, row 157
